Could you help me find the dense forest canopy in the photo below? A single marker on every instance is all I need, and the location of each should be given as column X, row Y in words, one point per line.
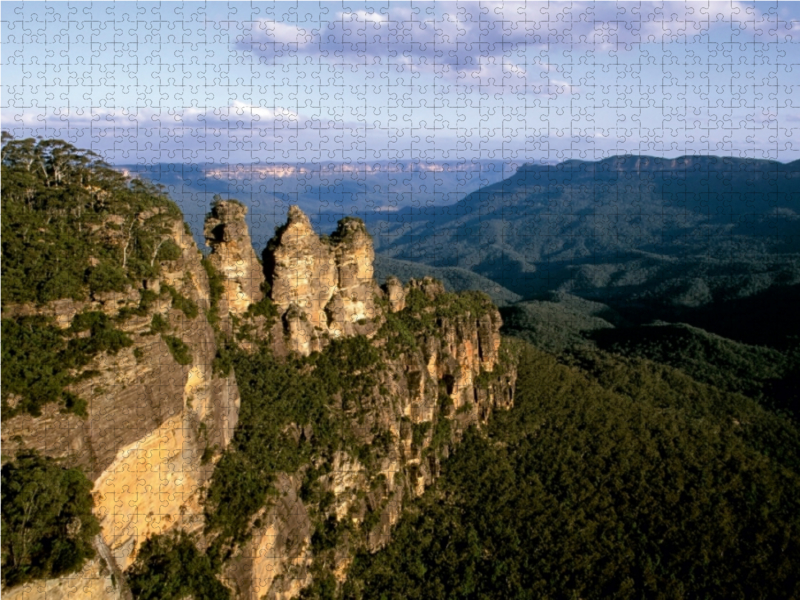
column 48, row 523
column 643, row 483
column 72, row 225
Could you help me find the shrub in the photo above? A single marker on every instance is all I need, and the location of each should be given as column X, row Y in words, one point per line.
column 169, row 250
column 106, row 277
column 158, row 324
column 179, row 350
column 170, row 567
column 181, row 302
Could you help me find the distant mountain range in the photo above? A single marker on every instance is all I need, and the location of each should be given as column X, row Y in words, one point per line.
column 690, row 230
column 649, row 236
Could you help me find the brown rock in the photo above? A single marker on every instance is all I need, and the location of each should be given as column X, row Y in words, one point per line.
column 327, row 285
column 396, row 293
column 233, row 256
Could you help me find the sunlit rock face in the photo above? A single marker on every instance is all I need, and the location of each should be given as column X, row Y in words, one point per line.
column 149, row 420
column 232, row 255
column 454, row 375
column 323, row 287
column 395, row 293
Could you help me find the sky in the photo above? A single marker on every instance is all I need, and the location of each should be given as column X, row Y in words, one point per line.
column 362, row 83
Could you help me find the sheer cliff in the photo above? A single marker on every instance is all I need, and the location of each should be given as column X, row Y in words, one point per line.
column 269, row 418
column 351, row 395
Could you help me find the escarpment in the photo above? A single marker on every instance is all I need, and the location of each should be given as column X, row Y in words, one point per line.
column 282, row 415
column 433, row 364
column 142, row 411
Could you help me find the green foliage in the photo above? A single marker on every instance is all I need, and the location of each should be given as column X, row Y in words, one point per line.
column 186, row 305
column 323, row 586
column 423, row 314
column 442, row 433
column 47, row 519
column 756, row 371
column 103, row 337
column 158, row 324
column 106, row 277
column 398, row 331
column 609, row 478
column 33, row 370
column 222, row 363
column 418, row 433
column 178, row 348
column 170, row 567
column 138, row 354
column 314, row 391
column 71, row 224
column 557, row 322
column 40, row 360
column 447, row 305
column 169, row 250
column 534, row 236
column 264, row 307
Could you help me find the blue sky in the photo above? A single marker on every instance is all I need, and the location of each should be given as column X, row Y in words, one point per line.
column 240, row 83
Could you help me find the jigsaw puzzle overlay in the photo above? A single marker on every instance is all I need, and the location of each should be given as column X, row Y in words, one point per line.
column 585, row 152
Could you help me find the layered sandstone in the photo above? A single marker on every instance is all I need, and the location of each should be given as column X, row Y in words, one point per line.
column 454, row 374
column 233, row 257
column 149, row 421
column 323, row 287
column 152, row 420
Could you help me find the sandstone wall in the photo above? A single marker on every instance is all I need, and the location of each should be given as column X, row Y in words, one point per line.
column 149, row 421
column 323, row 287
column 462, row 358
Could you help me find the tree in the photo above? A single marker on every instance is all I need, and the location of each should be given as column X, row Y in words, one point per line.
column 47, row 519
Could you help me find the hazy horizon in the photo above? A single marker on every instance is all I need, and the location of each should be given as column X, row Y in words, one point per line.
column 257, row 83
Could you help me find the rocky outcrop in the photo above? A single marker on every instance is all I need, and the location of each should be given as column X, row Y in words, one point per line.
column 233, row 257
column 452, row 374
column 155, row 427
column 323, row 287
column 395, row 293
column 150, row 419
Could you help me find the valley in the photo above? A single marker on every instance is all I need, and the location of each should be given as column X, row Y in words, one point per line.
column 573, row 380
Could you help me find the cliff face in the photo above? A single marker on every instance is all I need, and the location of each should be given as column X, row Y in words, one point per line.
column 149, row 420
column 157, row 421
column 442, row 368
column 452, row 375
column 322, row 288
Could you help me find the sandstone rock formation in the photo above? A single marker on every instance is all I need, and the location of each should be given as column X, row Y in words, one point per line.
column 323, row 288
column 232, row 255
column 148, row 441
column 149, row 420
column 396, row 294
column 455, row 373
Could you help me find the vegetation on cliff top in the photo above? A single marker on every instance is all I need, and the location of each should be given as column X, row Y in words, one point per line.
column 40, row 360
column 72, row 225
